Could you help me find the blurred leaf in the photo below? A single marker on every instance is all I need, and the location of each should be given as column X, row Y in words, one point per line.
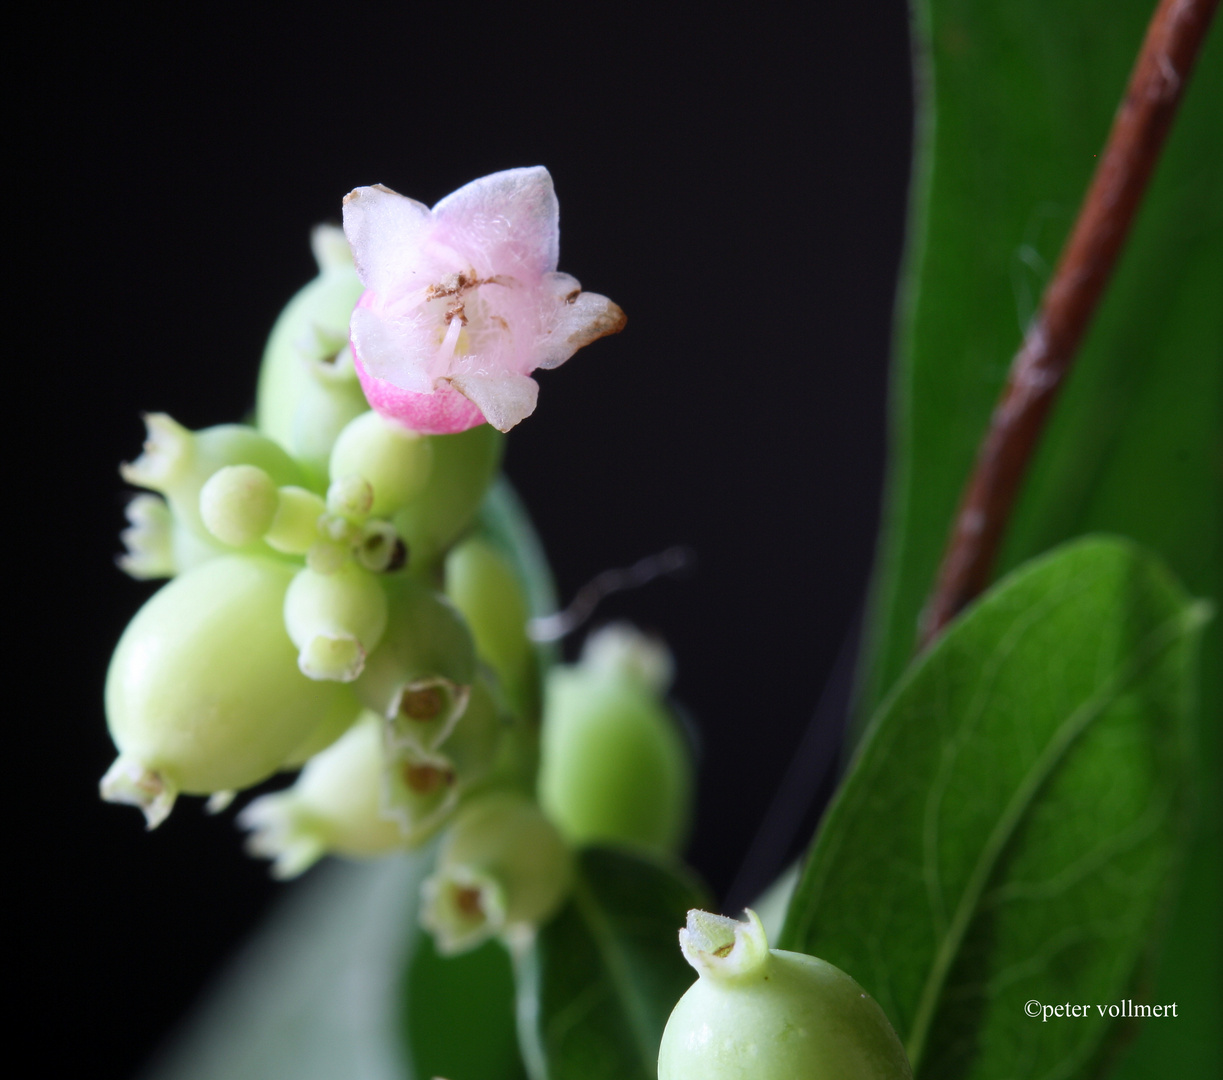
column 1011, row 822
column 1019, row 96
column 599, row 981
column 459, row 1014
column 313, row 995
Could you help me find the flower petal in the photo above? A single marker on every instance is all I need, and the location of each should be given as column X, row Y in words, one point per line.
column 386, row 231
column 505, row 400
column 387, row 350
column 444, row 411
column 507, row 223
column 582, row 319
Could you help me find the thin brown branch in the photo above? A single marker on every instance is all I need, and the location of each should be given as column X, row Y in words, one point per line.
column 1134, row 143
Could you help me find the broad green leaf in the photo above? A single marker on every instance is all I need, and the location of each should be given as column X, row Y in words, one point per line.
column 1018, row 98
column 313, row 995
column 459, row 1014
column 598, row 983
column 1013, row 817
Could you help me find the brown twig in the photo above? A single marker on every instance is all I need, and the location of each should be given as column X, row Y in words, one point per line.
column 1134, row 143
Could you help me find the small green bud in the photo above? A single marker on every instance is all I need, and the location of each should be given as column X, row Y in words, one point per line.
column 771, row 1015
column 395, row 461
column 333, row 807
column 295, row 528
column 614, row 767
column 308, row 388
column 238, row 504
column 203, row 694
column 503, row 869
column 350, row 497
column 177, row 462
column 463, row 466
column 483, row 586
column 419, row 677
column 335, row 619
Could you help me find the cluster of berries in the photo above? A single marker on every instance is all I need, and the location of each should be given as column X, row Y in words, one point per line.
column 339, row 604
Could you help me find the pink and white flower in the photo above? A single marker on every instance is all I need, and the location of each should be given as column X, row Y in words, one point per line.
column 463, row 302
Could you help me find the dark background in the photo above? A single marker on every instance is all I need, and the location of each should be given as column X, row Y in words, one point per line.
column 736, row 183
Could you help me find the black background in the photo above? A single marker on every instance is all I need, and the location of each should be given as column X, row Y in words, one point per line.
column 736, row 183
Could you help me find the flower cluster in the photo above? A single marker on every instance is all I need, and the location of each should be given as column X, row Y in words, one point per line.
column 342, row 603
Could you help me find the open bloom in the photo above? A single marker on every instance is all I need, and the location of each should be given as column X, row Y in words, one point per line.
column 463, row 302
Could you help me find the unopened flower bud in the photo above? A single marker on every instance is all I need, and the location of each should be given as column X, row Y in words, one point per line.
column 614, row 767
column 334, row 807
column 238, row 504
column 503, row 869
column 463, row 466
column 419, row 677
column 484, row 587
column 295, row 528
column 308, row 388
column 177, row 462
column 771, row 1015
column 395, row 461
column 335, row 619
column 203, row 692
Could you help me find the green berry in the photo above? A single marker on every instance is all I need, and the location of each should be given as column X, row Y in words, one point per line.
column 394, row 461
column 484, row 587
column 614, row 767
column 308, row 388
column 238, row 504
column 462, row 468
column 335, row 619
column 342, row 713
column 334, row 807
column 503, row 869
column 757, row 1013
column 178, row 463
column 419, row 678
column 203, row 692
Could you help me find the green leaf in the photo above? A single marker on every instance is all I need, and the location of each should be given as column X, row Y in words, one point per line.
column 599, row 981
column 1019, row 96
column 459, row 1014
column 1013, row 817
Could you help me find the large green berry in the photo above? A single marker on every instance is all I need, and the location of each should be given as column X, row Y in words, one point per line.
column 614, row 767
column 203, row 692
column 758, row 1013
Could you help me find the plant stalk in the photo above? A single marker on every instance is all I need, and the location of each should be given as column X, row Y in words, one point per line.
column 1157, row 83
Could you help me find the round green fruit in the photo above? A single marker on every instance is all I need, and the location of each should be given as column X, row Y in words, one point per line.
column 758, row 1013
